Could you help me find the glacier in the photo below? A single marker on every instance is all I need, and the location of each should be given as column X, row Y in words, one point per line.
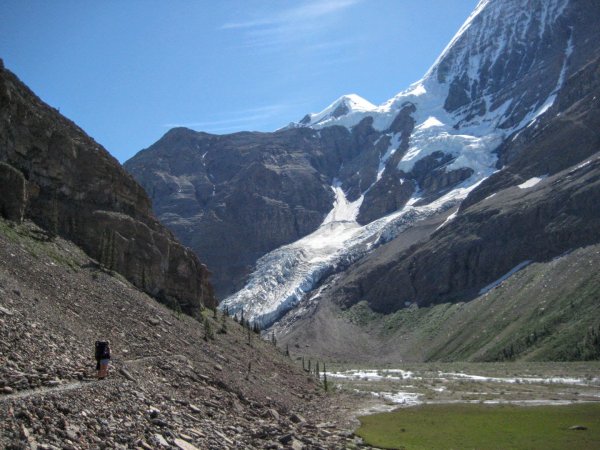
column 284, row 276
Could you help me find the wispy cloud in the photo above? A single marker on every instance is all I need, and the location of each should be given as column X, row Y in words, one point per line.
column 228, row 123
column 309, row 11
column 298, row 24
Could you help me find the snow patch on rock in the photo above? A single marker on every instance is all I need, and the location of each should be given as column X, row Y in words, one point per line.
column 504, row 277
column 394, row 144
column 530, row 183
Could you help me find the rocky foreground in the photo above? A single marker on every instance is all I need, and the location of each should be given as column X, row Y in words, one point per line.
column 168, row 386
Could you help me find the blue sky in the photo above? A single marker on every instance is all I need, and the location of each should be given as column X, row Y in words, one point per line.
column 127, row 71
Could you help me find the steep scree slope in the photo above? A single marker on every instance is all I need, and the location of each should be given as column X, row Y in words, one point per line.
column 167, row 388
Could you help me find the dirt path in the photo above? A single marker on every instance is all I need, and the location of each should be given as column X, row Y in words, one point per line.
column 46, row 390
column 82, row 384
column 74, row 385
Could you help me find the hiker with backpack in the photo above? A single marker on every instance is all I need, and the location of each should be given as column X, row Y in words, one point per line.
column 102, row 358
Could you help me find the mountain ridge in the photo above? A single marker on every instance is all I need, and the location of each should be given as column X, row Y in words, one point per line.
column 446, row 150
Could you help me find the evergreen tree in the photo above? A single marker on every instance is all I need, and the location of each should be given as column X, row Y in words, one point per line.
column 208, row 332
column 223, row 329
column 53, row 220
column 249, row 332
column 287, row 350
column 103, row 248
column 325, row 384
column 317, row 371
column 72, row 225
column 273, row 339
column 113, row 252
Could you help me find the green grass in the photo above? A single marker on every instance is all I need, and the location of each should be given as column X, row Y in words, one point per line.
column 549, row 311
column 360, row 314
column 37, row 243
column 476, row 426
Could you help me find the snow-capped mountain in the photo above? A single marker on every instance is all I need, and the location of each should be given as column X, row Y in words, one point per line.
column 346, row 105
column 473, row 81
column 461, row 114
column 282, row 218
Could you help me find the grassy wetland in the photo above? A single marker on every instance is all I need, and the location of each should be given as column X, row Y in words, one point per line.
column 477, row 405
column 481, row 426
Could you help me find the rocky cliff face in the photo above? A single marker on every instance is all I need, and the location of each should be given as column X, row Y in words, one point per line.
column 57, row 176
column 234, row 198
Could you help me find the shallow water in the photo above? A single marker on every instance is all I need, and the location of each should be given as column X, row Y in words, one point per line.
column 390, row 388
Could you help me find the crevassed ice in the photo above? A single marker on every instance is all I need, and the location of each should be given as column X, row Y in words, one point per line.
column 284, row 276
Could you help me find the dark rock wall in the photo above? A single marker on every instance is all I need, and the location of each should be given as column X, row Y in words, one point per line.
column 13, row 193
column 234, row 198
column 76, row 189
column 488, row 240
column 394, row 188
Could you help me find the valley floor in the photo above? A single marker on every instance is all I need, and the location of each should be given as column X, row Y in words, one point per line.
column 546, row 311
column 486, row 427
column 171, row 388
column 520, row 405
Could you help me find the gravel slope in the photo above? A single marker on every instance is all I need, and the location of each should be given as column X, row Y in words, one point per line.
column 168, row 387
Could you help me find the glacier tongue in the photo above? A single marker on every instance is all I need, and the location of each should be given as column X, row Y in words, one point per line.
column 284, row 276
